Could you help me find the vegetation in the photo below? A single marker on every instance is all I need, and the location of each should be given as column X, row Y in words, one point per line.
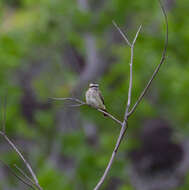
column 55, row 49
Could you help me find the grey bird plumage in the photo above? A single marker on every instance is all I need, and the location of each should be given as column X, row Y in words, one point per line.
column 94, row 97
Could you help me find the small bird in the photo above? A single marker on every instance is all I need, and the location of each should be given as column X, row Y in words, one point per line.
column 95, row 98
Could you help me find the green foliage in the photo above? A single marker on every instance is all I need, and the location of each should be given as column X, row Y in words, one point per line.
column 34, row 38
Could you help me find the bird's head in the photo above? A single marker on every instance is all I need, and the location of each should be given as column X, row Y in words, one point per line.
column 92, row 85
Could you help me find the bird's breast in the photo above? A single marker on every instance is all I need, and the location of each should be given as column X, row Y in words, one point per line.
column 93, row 98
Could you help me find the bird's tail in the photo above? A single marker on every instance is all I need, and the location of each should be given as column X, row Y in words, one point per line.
column 105, row 113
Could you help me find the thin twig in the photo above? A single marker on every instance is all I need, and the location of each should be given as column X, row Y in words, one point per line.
column 17, row 176
column 127, row 113
column 131, row 73
column 24, row 174
column 81, row 103
column 13, row 146
column 122, row 34
column 110, row 116
column 157, row 68
column 125, row 122
column 72, row 99
column 77, row 105
column 23, row 159
column 136, row 36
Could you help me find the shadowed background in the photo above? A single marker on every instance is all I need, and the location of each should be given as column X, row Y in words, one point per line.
column 55, row 49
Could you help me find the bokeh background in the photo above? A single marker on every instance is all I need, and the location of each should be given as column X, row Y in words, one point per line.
column 55, row 49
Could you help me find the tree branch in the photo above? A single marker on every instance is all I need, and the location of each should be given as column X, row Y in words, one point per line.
column 24, row 174
column 72, row 99
column 131, row 74
column 13, row 146
column 81, row 103
column 122, row 34
column 23, row 159
column 17, row 176
column 124, row 125
column 157, row 68
column 127, row 113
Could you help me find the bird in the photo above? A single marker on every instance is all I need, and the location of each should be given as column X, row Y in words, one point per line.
column 94, row 97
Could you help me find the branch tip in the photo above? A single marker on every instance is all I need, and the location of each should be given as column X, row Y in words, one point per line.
column 122, row 34
column 136, row 36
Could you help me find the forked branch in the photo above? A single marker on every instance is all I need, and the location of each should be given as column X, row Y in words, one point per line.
column 17, row 176
column 127, row 113
column 81, row 103
column 158, row 66
column 124, row 123
column 34, row 181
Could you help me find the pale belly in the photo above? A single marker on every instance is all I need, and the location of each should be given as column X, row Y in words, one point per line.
column 93, row 99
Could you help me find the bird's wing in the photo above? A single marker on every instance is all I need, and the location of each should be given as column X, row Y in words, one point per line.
column 101, row 97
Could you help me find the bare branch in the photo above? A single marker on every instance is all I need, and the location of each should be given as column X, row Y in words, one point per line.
column 72, row 99
column 13, row 146
column 127, row 113
column 124, row 124
column 122, row 34
column 17, row 176
column 110, row 116
column 77, row 105
column 131, row 75
column 81, row 103
column 136, row 35
column 24, row 174
column 23, row 159
column 122, row 132
column 158, row 67
column 2, row 133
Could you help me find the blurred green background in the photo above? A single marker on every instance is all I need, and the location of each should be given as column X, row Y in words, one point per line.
column 55, row 49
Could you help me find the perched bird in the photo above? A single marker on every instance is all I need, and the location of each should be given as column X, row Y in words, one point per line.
column 95, row 98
